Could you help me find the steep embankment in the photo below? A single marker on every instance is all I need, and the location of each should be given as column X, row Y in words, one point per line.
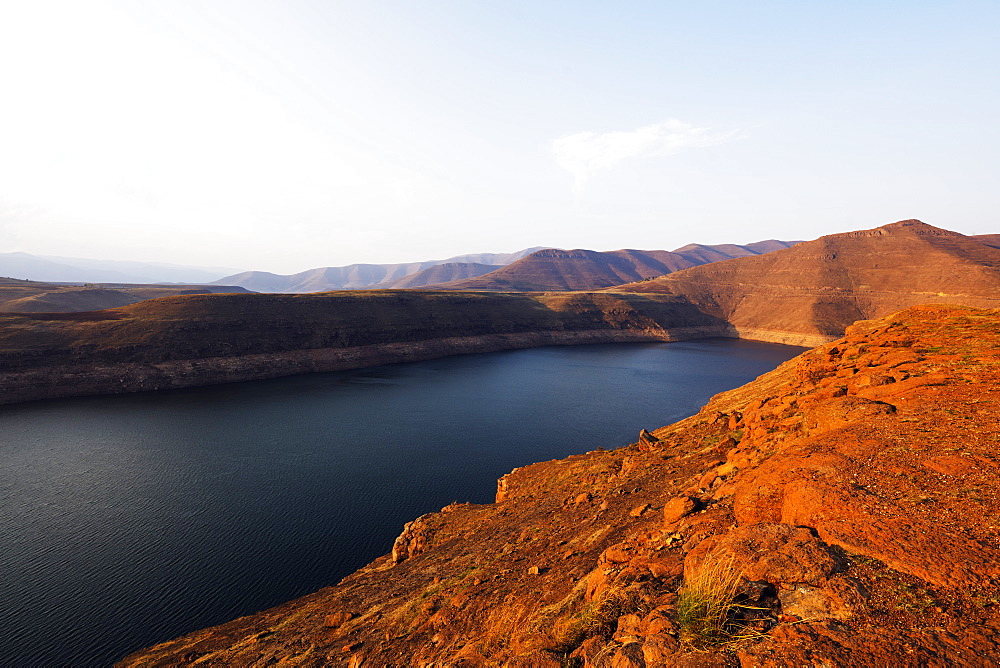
column 820, row 287
column 205, row 339
column 850, row 497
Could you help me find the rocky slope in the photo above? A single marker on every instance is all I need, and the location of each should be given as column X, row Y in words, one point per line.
column 206, row 339
column 819, row 287
column 847, row 501
column 579, row 269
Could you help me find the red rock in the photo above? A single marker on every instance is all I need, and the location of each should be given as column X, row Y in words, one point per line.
column 618, row 554
column 629, row 656
column 639, row 511
column 658, row 650
column 337, row 619
column 676, row 508
column 951, row 465
column 839, row 598
column 775, row 553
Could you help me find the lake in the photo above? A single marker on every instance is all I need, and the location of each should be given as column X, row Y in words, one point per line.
column 129, row 520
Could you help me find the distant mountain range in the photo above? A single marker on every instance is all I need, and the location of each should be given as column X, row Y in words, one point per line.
column 56, row 269
column 362, row 276
column 579, row 269
column 532, row 269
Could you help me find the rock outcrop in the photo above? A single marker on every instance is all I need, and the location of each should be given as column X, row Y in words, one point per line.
column 853, row 492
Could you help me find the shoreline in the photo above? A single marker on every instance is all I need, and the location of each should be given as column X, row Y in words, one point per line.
column 63, row 381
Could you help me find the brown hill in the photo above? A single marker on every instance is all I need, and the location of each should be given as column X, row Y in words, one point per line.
column 555, row 269
column 441, row 273
column 989, row 239
column 846, row 503
column 36, row 297
column 820, row 287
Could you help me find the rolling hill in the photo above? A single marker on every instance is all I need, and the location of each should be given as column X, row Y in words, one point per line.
column 820, row 287
column 20, row 296
column 358, row 276
column 441, row 273
column 579, row 269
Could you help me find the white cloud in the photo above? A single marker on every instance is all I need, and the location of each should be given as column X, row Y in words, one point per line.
column 586, row 153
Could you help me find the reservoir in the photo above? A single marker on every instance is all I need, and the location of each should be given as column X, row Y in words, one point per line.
column 129, row 520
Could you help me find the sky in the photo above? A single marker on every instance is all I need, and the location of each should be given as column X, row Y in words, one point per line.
column 285, row 135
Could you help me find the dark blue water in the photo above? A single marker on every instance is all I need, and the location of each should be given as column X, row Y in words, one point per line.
column 129, row 520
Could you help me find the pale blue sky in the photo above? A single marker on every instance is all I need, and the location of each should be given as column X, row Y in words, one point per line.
column 294, row 134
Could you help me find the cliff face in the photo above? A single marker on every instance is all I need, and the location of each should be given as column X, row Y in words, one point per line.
column 847, row 499
column 206, row 339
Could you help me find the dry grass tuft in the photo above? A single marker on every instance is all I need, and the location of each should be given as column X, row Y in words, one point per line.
column 706, row 604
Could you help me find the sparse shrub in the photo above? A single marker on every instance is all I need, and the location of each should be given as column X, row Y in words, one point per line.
column 598, row 617
column 706, row 603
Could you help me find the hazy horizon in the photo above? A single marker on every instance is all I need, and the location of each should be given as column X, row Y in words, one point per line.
column 286, row 136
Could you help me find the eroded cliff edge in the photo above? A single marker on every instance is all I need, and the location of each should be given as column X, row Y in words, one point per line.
column 854, row 489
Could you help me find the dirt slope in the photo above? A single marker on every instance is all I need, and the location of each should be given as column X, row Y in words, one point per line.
column 853, row 491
